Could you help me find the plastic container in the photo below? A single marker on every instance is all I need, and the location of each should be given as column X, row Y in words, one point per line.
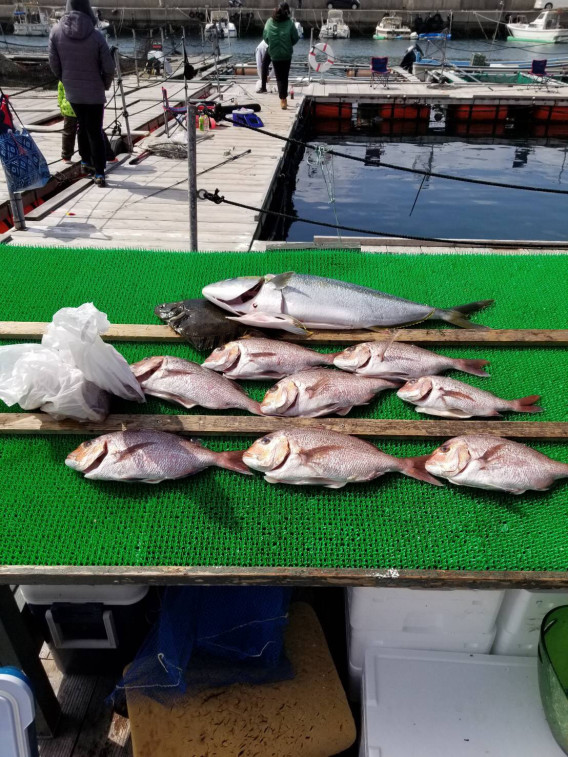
column 91, row 629
column 553, row 673
column 360, row 641
column 443, row 704
column 428, row 611
column 17, row 712
column 520, row 618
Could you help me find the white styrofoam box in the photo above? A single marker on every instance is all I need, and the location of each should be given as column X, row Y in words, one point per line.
column 423, row 610
column 360, row 641
column 355, row 680
column 520, row 617
column 438, row 704
column 120, row 594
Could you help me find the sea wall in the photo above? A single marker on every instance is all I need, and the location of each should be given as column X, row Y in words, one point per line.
column 470, row 17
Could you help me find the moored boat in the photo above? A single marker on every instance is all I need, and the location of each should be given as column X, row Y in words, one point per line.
column 335, row 27
column 391, row 26
column 220, row 21
column 30, row 21
column 550, row 26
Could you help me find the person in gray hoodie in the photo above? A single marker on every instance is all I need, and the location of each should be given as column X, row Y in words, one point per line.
column 80, row 57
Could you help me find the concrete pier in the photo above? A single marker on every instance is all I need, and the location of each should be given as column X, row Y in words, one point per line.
column 470, row 17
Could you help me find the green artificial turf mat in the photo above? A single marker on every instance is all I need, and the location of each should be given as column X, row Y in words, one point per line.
column 51, row 515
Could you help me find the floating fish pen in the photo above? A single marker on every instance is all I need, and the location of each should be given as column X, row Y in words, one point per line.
column 420, row 116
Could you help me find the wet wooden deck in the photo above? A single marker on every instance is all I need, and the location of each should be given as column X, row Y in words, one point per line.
column 146, row 205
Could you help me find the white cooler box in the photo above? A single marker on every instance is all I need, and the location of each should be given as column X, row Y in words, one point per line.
column 451, row 621
column 91, row 629
column 520, row 618
column 445, row 704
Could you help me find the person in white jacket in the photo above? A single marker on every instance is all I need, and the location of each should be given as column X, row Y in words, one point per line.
column 262, row 64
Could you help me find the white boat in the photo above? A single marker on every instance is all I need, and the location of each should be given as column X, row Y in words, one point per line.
column 391, row 27
column 220, row 21
column 31, row 21
column 101, row 24
column 549, row 26
column 335, row 27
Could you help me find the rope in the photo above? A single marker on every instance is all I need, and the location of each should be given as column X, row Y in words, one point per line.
column 215, row 197
column 405, row 169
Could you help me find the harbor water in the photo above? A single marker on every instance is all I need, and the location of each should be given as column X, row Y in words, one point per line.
column 344, row 192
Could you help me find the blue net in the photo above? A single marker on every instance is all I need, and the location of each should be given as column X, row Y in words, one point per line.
column 212, row 636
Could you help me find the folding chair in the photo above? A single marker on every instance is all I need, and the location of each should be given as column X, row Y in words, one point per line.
column 169, row 110
column 538, row 69
column 380, row 71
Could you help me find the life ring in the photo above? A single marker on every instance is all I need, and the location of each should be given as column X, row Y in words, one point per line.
column 325, row 65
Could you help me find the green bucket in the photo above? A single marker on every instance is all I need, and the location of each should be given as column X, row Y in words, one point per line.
column 553, row 672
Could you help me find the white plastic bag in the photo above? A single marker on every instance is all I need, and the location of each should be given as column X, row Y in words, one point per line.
column 36, row 377
column 74, row 334
column 72, row 373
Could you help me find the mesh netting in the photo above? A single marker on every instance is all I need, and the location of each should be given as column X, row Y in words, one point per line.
column 50, row 515
column 212, row 636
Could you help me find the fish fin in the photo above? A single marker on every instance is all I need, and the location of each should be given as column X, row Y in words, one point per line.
column 415, row 467
column 319, row 384
column 457, row 395
column 153, row 481
column 490, row 456
column 282, row 280
column 336, row 485
column 268, row 320
column 232, row 461
column 458, row 315
column 406, row 323
column 475, row 367
column 344, row 410
column 134, row 448
column 310, row 455
column 527, row 404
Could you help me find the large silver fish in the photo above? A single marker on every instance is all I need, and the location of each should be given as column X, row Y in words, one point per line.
column 398, row 360
column 449, row 398
column 189, row 384
column 296, row 302
column 147, row 456
column 326, row 458
column 321, row 391
column 257, row 359
column 489, row 462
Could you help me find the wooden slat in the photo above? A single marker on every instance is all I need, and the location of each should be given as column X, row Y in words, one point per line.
column 217, row 425
column 280, row 576
column 134, row 332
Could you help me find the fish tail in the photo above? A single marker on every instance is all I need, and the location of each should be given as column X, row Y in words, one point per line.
column 527, row 404
column 253, row 407
column 475, row 367
column 232, row 461
column 415, row 467
column 327, row 358
column 458, row 315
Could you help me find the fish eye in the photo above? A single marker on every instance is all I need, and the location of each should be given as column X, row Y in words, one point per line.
column 265, row 440
column 445, row 448
column 87, row 443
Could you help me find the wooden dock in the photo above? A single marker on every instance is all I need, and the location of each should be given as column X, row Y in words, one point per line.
column 146, row 205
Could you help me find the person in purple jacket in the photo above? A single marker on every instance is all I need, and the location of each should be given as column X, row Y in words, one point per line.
column 80, row 57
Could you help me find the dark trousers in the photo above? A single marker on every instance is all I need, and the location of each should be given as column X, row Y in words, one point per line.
column 68, row 138
column 91, row 140
column 266, row 61
column 281, row 72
